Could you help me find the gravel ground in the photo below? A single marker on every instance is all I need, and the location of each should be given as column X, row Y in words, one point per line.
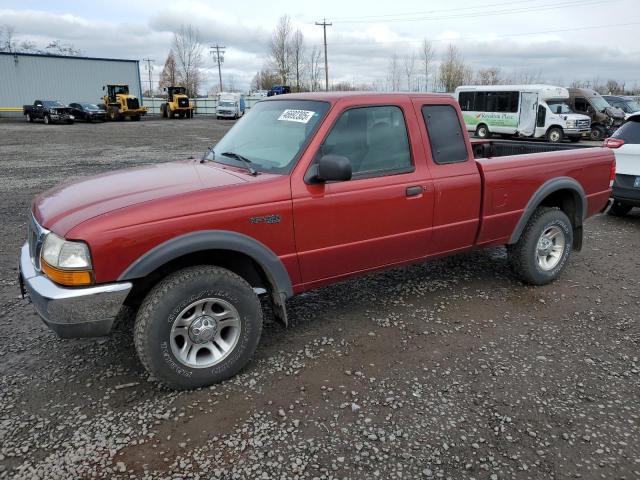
column 451, row 369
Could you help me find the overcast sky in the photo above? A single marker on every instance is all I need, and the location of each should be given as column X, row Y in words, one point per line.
column 561, row 40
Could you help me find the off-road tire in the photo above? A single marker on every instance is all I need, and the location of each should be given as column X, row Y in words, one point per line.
column 618, row 209
column 523, row 254
column 482, row 131
column 555, row 135
column 164, row 303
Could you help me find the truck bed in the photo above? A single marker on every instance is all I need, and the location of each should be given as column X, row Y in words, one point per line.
column 501, row 148
column 512, row 182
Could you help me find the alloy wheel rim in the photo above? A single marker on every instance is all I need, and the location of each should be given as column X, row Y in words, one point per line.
column 205, row 332
column 550, row 248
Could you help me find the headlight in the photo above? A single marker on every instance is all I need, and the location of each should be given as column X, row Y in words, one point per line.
column 571, row 123
column 65, row 262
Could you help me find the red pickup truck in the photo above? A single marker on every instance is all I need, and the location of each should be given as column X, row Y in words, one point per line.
column 304, row 191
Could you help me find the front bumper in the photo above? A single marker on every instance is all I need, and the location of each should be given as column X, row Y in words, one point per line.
column 577, row 132
column 624, row 191
column 226, row 114
column 61, row 117
column 72, row 312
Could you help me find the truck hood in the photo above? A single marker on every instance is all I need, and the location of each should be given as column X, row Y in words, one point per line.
column 74, row 202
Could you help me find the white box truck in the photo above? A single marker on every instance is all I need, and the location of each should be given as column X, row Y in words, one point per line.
column 230, row 105
column 534, row 111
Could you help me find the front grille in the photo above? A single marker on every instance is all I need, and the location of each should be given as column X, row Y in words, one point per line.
column 584, row 123
column 35, row 238
column 183, row 102
column 133, row 104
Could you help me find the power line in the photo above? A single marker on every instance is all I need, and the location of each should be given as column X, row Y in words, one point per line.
column 217, row 51
column 486, row 13
column 324, row 26
column 429, row 12
column 484, row 37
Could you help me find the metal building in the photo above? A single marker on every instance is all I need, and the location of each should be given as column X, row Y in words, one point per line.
column 25, row 77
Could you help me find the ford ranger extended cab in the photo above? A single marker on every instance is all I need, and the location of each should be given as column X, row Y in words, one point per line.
column 304, row 191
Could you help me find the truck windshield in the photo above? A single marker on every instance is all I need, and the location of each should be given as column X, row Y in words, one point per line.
column 272, row 135
column 558, row 106
column 227, row 104
column 52, row 103
column 633, row 106
column 599, row 103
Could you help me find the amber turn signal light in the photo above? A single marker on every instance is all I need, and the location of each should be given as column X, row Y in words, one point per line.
column 70, row 278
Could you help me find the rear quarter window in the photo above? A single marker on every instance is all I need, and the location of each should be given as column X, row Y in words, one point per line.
column 630, row 131
column 445, row 134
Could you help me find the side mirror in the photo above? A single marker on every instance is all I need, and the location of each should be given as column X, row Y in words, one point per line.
column 559, row 109
column 332, row 168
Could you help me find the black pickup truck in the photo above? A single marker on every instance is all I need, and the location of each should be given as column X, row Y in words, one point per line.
column 49, row 111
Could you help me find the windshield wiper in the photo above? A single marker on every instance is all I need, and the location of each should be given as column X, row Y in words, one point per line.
column 243, row 159
column 206, row 154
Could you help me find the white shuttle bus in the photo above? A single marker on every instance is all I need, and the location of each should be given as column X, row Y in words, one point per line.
column 535, row 111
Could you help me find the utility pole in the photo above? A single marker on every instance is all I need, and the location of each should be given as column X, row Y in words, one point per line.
column 217, row 51
column 150, row 70
column 324, row 26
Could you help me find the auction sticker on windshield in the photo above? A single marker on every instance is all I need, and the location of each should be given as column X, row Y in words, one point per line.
column 301, row 116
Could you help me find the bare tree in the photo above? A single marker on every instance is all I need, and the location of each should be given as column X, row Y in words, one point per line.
column 56, row 47
column 489, row 76
column 169, row 74
column 297, row 48
column 393, row 74
column 187, row 51
column 453, row 71
column 280, row 48
column 409, row 67
column 7, row 38
column 427, row 53
column 315, row 68
column 264, row 80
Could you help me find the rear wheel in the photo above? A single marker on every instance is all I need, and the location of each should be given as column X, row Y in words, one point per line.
column 482, row 131
column 163, row 110
column 555, row 135
column 619, row 209
column 198, row 326
column 544, row 247
column 29, row 118
column 598, row 133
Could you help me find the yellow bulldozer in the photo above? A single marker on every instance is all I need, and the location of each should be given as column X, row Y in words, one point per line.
column 177, row 103
column 119, row 104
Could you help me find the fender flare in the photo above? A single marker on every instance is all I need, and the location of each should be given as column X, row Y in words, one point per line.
column 547, row 188
column 213, row 240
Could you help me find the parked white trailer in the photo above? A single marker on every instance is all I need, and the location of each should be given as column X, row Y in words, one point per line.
column 537, row 111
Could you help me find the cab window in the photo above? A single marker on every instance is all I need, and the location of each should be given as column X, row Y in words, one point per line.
column 374, row 139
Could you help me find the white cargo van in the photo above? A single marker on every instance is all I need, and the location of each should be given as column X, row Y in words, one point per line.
column 525, row 110
column 230, row 105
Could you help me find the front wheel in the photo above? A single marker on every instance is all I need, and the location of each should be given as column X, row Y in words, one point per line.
column 47, row 119
column 197, row 327
column 555, row 135
column 598, row 133
column 544, row 247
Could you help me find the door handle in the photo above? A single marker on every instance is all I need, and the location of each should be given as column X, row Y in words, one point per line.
column 414, row 191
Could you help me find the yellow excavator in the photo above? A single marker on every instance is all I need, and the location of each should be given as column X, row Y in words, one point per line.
column 119, row 104
column 177, row 103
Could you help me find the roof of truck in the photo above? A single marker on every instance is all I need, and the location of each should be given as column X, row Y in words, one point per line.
column 335, row 96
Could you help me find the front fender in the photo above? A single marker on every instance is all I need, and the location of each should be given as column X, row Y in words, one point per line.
column 213, row 240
